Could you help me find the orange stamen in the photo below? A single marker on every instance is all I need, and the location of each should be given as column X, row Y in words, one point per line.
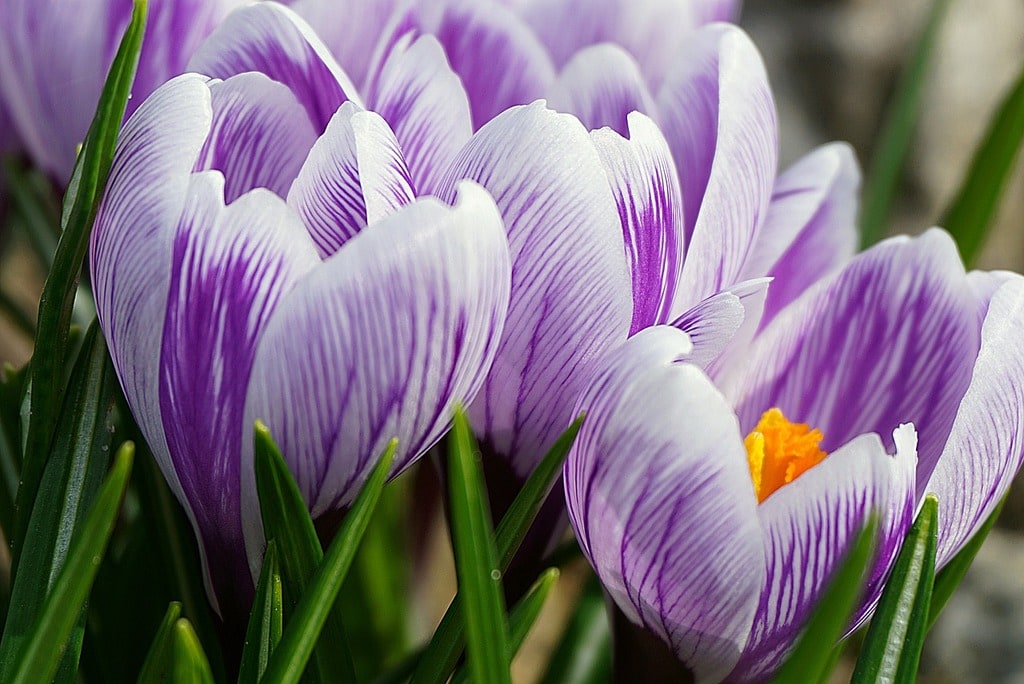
column 779, row 451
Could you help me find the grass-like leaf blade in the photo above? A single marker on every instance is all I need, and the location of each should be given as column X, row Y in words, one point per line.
column 892, row 648
column 583, row 654
column 812, row 657
column 897, row 131
column 445, row 647
column 286, row 521
column 190, row 663
column 158, row 663
column 265, row 620
column 40, row 656
column 303, row 628
column 57, row 299
column 969, row 217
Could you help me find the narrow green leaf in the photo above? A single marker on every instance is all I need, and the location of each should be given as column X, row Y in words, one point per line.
column 892, row 647
column 286, row 521
column 522, row 617
column 445, row 647
column 475, row 564
column 40, row 655
column 159, row 663
column 897, row 131
column 190, row 663
column 57, row 299
column 265, row 621
column 583, row 654
column 812, row 656
column 952, row 574
column 81, row 458
column 12, row 386
column 969, row 217
column 289, row 658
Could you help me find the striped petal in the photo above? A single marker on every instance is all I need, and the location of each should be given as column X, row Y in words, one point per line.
column 809, row 526
column 355, row 174
column 646, row 189
column 716, row 323
column 571, row 291
column 718, row 115
column 601, row 85
column 260, row 135
column 426, row 105
column 986, row 445
column 671, row 530
column 272, row 39
column 890, row 339
column 379, row 342
column 811, row 226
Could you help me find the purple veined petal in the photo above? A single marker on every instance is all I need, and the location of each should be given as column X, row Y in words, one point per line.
column 718, row 115
column 809, row 525
column 601, row 85
column 350, row 28
column 985, row 284
column 715, row 322
column 650, row 30
column 476, row 37
column 986, row 445
column 708, row 11
column 672, row 531
column 646, row 190
column 571, row 290
column 130, row 248
column 260, row 135
column 811, row 226
column 272, row 39
column 379, row 342
column 230, row 266
column 355, row 174
column 890, row 339
column 423, row 100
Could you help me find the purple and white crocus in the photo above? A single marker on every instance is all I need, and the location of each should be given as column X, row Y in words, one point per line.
column 714, row 519
column 260, row 255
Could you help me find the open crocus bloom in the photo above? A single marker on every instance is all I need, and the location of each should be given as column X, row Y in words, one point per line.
column 224, row 303
column 715, row 520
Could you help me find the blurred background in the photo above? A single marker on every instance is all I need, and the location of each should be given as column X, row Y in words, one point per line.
column 834, row 65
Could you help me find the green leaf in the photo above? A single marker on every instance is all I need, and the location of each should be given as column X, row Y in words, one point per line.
column 57, row 299
column 812, row 656
column 33, row 201
column 40, row 654
column 892, row 648
column 289, row 658
column 159, row 663
column 265, row 621
column 952, row 574
column 897, row 132
column 190, row 663
column 583, row 654
column 445, row 647
column 12, row 390
column 286, row 521
column 969, row 217
column 81, row 458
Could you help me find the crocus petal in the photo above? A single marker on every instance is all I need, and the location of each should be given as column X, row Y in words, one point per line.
column 272, row 39
column 354, row 174
column 392, row 331
column 646, row 189
column 714, row 323
column 718, row 115
column 986, row 445
column 571, row 288
column 601, row 85
column 260, row 135
column 811, row 226
column 809, row 525
column 672, row 530
column 890, row 339
column 426, row 105
column 476, row 37
column 229, row 268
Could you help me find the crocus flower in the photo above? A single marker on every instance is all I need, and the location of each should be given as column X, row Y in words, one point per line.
column 227, row 296
column 54, row 58
column 715, row 519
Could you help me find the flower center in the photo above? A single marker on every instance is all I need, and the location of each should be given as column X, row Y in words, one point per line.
column 779, row 451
